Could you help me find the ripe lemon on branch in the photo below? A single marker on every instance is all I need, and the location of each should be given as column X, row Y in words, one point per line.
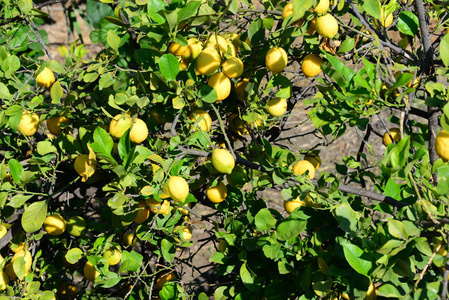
column 89, row 271
column 276, row 59
column 442, row 145
column 327, row 26
column 277, row 106
column 113, row 255
column 54, row 124
column 302, row 166
column 395, row 134
column 55, row 224
column 139, row 131
column 46, row 78
column 29, row 123
column 119, row 125
column 232, row 67
column 203, row 118
column 208, row 61
column 178, row 188
column 223, row 161
column 221, row 84
column 163, row 278
column 217, row 193
column 322, row 7
column 311, row 65
column 84, row 166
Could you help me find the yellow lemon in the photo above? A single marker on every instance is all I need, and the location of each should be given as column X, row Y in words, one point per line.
column 158, row 207
column 322, row 7
column 178, row 188
column 54, row 124
column 89, row 271
column 312, row 27
column 113, row 256
column 277, row 107
column 194, row 48
column 233, row 67
column 287, row 11
column 4, row 280
column 142, row 214
column 29, row 123
column 67, row 289
column 163, row 278
column 138, row 132
column 290, row 206
column 128, row 239
column 84, row 166
column 176, row 49
column 276, row 60
column 395, row 134
column 76, row 225
column 208, row 61
column 3, row 231
column 205, row 121
column 240, row 88
column 221, row 84
column 300, row 167
column 26, row 256
column 315, row 160
column 327, row 26
column 237, row 125
column 183, row 64
column 221, row 44
column 54, row 224
column 46, row 78
column 223, row 161
column 119, row 124
column 217, row 193
column 186, row 233
column 442, row 145
column 311, row 65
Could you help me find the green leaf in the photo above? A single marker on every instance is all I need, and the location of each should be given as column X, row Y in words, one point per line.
column 56, row 93
column 73, row 255
column 103, row 142
column 397, row 229
column 169, row 66
column 34, row 216
column 264, row 220
column 354, row 256
column 19, row 200
column 153, row 7
column 347, row 45
column 45, row 147
column 4, row 92
column 247, row 276
column 16, row 169
column 389, row 291
column 106, row 80
column 96, row 11
column 347, row 218
column 290, row 228
column 207, row 94
column 300, row 7
column 392, row 247
column 188, row 11
column 444, row 51
column 443, row 182
column 372, row 7
column 408, row 23
column 113, row 40
column 271, row 251
column 168, row 250
column 131, row 261
column 285, row 86
column 19, row 267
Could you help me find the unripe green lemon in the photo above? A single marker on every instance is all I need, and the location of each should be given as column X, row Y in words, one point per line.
column 46, row 78
column 222, row 245
column 395, row 134
column 89, row 271
column 54, row 124
column 119, row 124
column 223, row 161
column 29, row 123
column 138, row 132
column 276, row 60
column 113, row 256
column 55, row 224
column 217, row 193
column 178, row 188
column 221, row 84
column 311, row 65
column 232, row 67
column 277, row 106
column 442, row 145
column 76, row 225
column 204, row 124
column 327, row 26
column 208, row 61
column 300, row 167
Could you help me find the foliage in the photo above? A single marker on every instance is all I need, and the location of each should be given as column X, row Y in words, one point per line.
column 366, row 222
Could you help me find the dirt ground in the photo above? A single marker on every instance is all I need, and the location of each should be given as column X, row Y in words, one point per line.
column 301, row 136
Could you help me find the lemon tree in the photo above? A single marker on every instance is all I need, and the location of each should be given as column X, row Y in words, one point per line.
column 276, row 149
